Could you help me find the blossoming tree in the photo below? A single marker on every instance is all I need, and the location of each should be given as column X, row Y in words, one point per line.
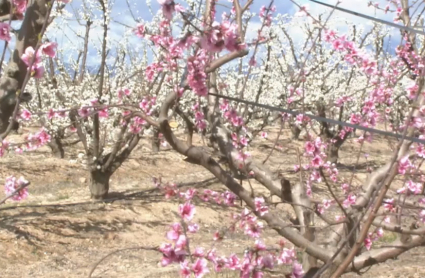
column 364, row 217
column 337, row 234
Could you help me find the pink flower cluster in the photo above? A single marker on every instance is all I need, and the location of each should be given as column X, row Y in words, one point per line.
column 4, row 146
column 200, row 121
column 171, row 190
column 373, row 236
column 169, row 8
column 222, row 36
column 37, row 140
column 12, row 185
column 197, row 76
column 33, row 58
column 123, row 92
column 411, row 187
column 231, row 115
column 56, row 113
column 253, row 263
column 266, row 14
column 5, row 31
column 20, row 7
column 315, row 149
column 302, row 120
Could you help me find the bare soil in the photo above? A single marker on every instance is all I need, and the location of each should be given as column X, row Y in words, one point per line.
column 59, row 232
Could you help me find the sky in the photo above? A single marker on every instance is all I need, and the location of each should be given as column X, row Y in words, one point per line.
column 65, row 32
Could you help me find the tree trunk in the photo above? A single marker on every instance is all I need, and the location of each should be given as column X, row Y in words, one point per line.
column 57, row 148
column 334, row 149
column 155, row 140
column 333, row 153
column 296, row 131
column 99, row 184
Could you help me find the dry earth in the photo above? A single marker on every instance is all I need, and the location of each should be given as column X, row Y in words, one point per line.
column 59, row 232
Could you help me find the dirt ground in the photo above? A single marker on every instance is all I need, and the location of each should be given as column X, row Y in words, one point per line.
column 59, row 232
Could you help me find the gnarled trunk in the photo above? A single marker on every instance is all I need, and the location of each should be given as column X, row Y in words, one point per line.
column 57, row 148
column 333, row 153
column 155, row 140
column 296, row 131
column 99, row 184
column 333, row 149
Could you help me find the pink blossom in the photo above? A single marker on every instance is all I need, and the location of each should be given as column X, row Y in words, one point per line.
column 403, row 165
column 5, row 31
column 187, row 211
column 253, row 229
column 50, row 114
column 252, row 61
column 175, row 232
column 217, row 236
column 49, row 49
column 315, row 176
column 389, row 204
column 286, row 256
column 170, row 255
column 303, row 10
column 297, row 270
column 103, row 113
column 37, row 70
column 196, row 77
column 345, row 187
column 189, row 194
column 169, row 7
column 259, row 245
column 414, row 187
column 84, row 112
column 140, row 30
column 351, row 200
column 29, row 55
column 368, row 242
column 185, row 269
column 134, row 128
column 35, row 141
column 20, row 6
column 12, row 185
column 422, row 216
column 233, row 262
column 309, row 147
column 199, row 252
column 25, row 115
column 199, row 268
column 324, row 206
column 317, row 161
column 260, row 207
column 181, row 244
column 193, row 228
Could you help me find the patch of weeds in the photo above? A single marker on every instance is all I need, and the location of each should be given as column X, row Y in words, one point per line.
column 62, row 197
column 387, row 237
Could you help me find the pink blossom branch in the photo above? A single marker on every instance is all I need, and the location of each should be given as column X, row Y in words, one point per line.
column 15, row 192
column 380, row 255
column 14, row 80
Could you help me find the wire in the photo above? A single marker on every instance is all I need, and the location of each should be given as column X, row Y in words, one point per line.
column 322, row 119
column 370, row 18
